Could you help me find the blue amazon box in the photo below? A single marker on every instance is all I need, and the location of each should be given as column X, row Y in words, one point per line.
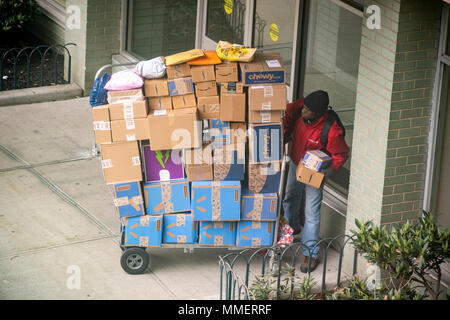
column 255, row 234
column 180, row 86
column 128, row 199
column 264, row 177
column 144, row 231
column 217, row 233
column 229, row 161
column 219, row 131
column 216, row 200
column 167, row 196
column 259, row 207
column 265, row 142
column 316, row 160
column 180, row 228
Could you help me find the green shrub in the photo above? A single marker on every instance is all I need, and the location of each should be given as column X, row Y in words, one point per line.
column 408, row 252
column 15, row 13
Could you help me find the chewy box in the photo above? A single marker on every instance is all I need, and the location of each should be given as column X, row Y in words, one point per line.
column 145, row 231
column 265, row 142
column 217, row 233
column 255, row 234
column 216, row 200
column 259, row 207
column 128, row 199
column 180, row 228
column 167, row 197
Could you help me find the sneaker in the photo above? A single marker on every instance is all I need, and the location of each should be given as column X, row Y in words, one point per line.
column 314, row 263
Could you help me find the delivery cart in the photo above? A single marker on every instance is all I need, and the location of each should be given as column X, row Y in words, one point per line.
column 136, row 259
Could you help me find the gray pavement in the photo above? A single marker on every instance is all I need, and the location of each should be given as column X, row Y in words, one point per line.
column 58, row 227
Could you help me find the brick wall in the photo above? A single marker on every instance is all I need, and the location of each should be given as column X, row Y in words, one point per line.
column 415, row 63
column 391, row 126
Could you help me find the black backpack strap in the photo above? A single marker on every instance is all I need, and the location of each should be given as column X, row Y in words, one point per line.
column 331, row 118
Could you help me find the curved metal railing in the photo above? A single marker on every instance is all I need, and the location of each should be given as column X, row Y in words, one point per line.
column 16, row 58
column 234, row 286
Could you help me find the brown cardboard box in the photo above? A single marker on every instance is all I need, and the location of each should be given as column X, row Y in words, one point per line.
column 121, row 162
column 158, row 103
column 267, row 97
column 184, row 101
column 180, row 86
column 129, row 130
column 227, row 72
column 166, row 129
column 257, row 116
column 156, row 87
column 309, row 176
column 178, row 71
column 102, row 124
column 128, row 110
column 232, row 87
column 264, row 69
column 198, row 163
column 203, row 73
column 206, row 89
column 208, row 107
column 125, row 95
column 232, row 107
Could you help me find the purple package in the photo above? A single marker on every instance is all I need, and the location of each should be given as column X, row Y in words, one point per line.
column 162, row 165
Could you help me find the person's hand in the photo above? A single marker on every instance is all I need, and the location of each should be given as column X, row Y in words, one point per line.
column 327, row 172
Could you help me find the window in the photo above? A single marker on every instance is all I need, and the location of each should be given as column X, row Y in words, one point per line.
column 226, row 20
column 332, row 61
column 273, row 29
column 160, row 27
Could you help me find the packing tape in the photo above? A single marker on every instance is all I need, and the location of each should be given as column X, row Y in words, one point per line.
column 123, row 201
column 144, row 221
column 256, row 224
column 131, row 137
column 130, row 124
column 107, row 163
column 181, row 239
column 257, row 206
column 136, row 161
column 256, row 242
column 181, row 220
column 166, row 197
column 268, row 91
column 102, row 125
column 265, row 117
column 143, row 241
column 218, row 240
column 266, row 106
column 128, row 112
column 215, row 201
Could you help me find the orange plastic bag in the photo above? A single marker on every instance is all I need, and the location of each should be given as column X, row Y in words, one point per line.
column 209, row 58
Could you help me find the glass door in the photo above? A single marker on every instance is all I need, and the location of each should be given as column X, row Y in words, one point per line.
column 261, row 24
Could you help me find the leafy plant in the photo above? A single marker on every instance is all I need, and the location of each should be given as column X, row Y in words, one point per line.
column 408, row 252
column 15, row 13
column 357, row 289
column 264, row 287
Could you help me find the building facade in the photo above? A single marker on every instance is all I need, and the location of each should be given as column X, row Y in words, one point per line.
column 384, row 63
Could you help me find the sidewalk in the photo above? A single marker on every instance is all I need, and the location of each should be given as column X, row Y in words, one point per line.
column 56, row 212
column 57, row 216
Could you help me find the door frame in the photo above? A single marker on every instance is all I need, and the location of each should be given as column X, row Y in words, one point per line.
column 436, row 111
column 203, row 42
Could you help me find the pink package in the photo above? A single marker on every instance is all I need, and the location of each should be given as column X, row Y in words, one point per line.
column 124, row 80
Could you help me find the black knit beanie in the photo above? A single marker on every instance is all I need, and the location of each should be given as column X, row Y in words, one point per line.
column 317, row 101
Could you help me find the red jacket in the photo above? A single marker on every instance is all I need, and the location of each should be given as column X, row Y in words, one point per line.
column 306, row 137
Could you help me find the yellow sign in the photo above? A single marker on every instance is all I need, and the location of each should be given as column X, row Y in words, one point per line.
column 228, row 6
column 274, row 32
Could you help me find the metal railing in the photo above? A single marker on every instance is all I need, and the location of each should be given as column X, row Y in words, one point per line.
column 22, row 58
column 235, row 286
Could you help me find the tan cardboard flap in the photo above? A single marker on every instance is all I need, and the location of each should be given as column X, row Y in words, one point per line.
column 267, row 97
column 125, row 95
column 206, row 89
column 128, row 110
column 178, row 71
column 309, row 176
column 208, row 107
column 156, row 87
column 160, row 103
column 184, row 101
column 119, row 162
column 227, row 72
column 203, row 73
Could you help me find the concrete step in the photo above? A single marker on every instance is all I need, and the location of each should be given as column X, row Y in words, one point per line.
column 40, row 94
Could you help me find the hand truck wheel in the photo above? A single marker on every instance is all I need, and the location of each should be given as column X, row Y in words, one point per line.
column 134, row 260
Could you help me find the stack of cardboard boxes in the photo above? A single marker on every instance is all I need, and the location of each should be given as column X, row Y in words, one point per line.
column 176, row 154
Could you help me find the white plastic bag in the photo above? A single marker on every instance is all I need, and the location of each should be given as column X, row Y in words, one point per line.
column 151, row 69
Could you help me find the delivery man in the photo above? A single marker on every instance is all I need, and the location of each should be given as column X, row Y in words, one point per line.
column 304, row 121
